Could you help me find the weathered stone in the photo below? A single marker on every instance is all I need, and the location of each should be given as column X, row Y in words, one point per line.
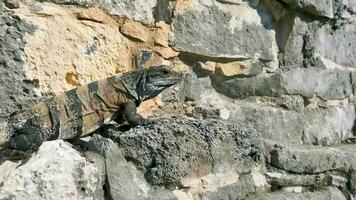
column 16, row 89
column 260, row 85
column 296, row 41
column 353, row 181
column 173, row 148
column 56, row 171
column 244, row 188
column 279, row 180
column 12, row 3
column 135, row 30
column 211, row 29
column 315, row 7
column 329, row 43
column 162, row 34
column 72, row 2
column 329, row 194
column 328, row 126
column 137, row 10
column 327, row 84
column 194, row 87
column 228, row 185
column 90, row 48
column 243, row 68
column 306, row 159
column 163, row 11
column 252, row 3
column 122, row 177
column 351, row 5
column 289, row 102
column 272, row 123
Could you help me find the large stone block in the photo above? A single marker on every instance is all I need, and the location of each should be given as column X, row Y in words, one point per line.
column 211, row 29
column 337, row 45
column 324, row 83
column 272, row 123
column 304, row 159
column 310, row 126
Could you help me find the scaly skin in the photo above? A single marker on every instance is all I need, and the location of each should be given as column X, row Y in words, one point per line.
column 79, row 112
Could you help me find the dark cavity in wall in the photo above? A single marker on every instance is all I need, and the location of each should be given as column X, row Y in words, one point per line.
column 15, row 89
column 162, row 11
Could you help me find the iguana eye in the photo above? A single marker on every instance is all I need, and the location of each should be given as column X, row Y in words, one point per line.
column 165, row 72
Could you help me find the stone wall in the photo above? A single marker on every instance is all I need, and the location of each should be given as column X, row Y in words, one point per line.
column 284, row 69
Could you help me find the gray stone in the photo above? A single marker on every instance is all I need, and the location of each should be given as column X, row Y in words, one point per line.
column 56, row 171
column 330, row 43
column 279, row 180
column 12, row 3
column 260, row 85
column 240, row 190
column 329, row 194
column 133, row 9
column 305, row 159
column 324, row 83
column 351, row 5
column 289, row 102
column 350, row 152
column 315, row 7
column 122, row 179
column 353, row 181
column 328, row 126
column 17, row 90
column 272, row 123
column 208, row 29
column 72, row 2
column 295, row 37
column 173, row 148
column 194, row 87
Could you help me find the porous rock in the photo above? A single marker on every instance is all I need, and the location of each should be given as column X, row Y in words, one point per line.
column 173, row 148
column 56, row 171
column 16, row 89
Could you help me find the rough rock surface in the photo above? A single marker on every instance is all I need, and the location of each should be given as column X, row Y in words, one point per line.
column 210, row 29
column 56, row 171
column 188, row 147
column 16, row 89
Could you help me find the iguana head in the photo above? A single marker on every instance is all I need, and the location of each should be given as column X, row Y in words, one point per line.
column 158, row 78
column 147, row 83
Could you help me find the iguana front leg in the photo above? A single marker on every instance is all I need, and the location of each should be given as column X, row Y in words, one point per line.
column 130, row 113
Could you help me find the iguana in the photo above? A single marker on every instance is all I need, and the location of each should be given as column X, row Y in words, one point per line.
column 79, row 112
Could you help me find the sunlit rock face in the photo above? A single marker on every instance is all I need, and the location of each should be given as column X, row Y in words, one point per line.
column 266, row 78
